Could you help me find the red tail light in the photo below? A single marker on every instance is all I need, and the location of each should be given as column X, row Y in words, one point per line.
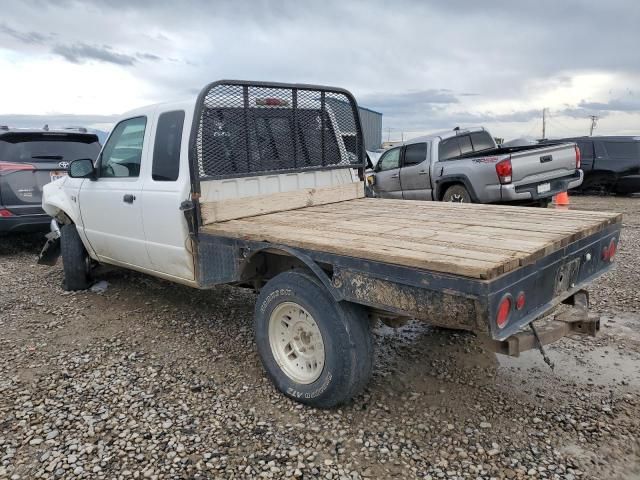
column 609, row 252
column 504, row 170
column 9, row 167
column 578, row 156
column 504, row 310
column 5, row 213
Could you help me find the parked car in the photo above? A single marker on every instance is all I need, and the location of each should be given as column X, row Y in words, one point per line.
column 610, row 163
column 194, row 193
column 29, row 159
column 468, row 166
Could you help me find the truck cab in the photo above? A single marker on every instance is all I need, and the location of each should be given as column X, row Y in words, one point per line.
column 126, row 212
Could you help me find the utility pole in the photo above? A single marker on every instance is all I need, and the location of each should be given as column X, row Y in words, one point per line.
column 544, row 123
column 594, row 122
column 388, row 134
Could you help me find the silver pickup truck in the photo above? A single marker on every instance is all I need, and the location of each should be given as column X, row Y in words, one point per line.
column 468, row 166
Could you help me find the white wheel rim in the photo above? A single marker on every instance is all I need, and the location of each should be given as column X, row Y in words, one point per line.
column 296, row 343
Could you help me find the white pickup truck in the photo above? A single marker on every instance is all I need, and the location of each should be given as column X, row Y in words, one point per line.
column 260, row 185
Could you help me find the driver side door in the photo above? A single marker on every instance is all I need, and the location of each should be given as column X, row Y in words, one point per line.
column 111, row 206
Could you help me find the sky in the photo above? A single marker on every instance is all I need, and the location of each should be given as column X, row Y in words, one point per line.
column 426, row 65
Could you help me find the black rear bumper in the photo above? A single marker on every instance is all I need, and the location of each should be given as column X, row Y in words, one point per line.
column 25, row 223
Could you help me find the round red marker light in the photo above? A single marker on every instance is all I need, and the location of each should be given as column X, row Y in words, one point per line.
column 504, row 310
column 609, row 252
column 612, row 250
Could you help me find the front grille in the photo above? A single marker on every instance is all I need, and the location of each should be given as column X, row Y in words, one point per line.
column 244, row 128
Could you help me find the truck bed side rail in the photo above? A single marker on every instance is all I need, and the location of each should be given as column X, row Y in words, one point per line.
column 246, row 128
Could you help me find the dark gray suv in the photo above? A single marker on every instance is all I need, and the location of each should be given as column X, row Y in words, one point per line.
column 29, row 159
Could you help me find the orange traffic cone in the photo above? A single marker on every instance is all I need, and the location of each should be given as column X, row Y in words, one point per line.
column 561, row 199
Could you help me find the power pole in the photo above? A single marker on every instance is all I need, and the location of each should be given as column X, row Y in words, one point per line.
column 594, row 122
column 544, row 123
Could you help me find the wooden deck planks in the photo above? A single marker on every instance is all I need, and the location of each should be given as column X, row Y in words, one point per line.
column 478, row 241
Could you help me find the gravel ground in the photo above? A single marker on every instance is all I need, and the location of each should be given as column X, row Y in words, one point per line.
column 154, row 380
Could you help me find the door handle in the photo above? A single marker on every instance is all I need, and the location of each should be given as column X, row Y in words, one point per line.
column 395, row 176
column 423, row 172
column 128, row 198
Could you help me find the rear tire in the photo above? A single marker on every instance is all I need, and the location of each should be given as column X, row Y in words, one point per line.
column 457, row 194
column 75, row 259
column 315, row 350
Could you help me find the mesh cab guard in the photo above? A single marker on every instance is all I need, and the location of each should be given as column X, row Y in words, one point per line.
column 244, row 128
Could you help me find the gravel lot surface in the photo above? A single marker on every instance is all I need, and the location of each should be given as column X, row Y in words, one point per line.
column 154, row 380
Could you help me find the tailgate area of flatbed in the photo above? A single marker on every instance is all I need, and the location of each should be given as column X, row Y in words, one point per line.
column 471, row 240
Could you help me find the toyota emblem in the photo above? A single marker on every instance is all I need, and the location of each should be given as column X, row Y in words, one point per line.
column 64, row 165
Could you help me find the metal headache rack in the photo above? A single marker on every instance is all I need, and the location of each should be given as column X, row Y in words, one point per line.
column 255, row 128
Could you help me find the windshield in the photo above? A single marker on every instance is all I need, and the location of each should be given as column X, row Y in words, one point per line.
column 46, row 147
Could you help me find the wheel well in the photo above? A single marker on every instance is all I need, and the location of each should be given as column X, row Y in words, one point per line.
column 63, row 218
column 445, row 185
column 266, row 264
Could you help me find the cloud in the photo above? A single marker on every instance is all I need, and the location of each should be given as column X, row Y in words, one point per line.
column 81, row 52
column 631, row 104
column 57, row 120
column 26, row 37
column 428, row 64
column 401, row 102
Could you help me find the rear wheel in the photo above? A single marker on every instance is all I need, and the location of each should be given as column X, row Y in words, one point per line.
column 75, row 259
column 457, row 194
column 315, row 350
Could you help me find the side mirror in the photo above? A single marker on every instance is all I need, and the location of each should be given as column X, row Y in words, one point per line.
column 82, row 168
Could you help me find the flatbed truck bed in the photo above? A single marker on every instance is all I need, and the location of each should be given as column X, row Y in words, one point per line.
column 477, row 241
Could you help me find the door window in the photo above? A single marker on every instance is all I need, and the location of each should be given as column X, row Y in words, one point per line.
column 390, row 160
column 123, row 151
column 415, row 154
column 166, row 148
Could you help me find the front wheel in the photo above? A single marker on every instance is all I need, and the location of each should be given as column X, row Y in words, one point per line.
column 75, row 259
column 315, row 350
column 457, row 194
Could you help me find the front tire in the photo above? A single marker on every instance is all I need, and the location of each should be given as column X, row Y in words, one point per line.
column 315, row 350
column 457, row 194
column 75, row 259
